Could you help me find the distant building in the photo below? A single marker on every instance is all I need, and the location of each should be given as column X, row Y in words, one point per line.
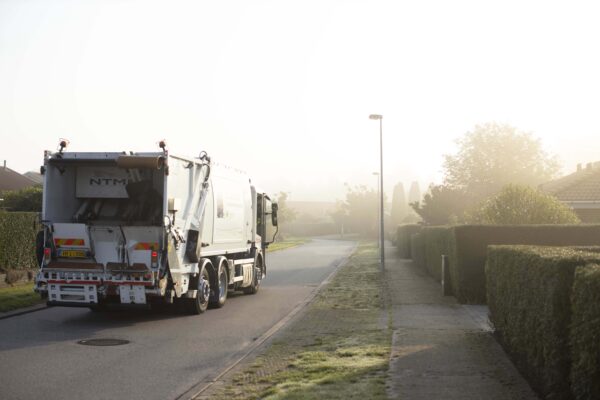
column 579, row 190
column 12, row 180
column 313, row 218
column 35, row 176
column 313, row 211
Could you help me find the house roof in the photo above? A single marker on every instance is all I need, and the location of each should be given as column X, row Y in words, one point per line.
column 34, row 176
column 12, row 180
column 583, row 185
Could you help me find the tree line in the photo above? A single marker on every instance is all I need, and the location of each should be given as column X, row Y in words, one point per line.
column 492, row 178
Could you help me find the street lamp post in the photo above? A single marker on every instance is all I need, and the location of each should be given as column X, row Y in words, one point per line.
column 378, row 210
column 381, row 230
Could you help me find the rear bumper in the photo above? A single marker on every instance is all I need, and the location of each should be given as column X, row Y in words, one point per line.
column 115, row 306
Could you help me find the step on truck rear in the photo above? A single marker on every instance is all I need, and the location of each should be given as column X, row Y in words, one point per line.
column 146, row 228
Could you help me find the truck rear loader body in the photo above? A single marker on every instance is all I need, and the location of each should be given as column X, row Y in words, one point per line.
column 143, row 228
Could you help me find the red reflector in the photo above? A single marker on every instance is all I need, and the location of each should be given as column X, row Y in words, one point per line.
column 154, row 254
column 47, row 252
column 148, row 276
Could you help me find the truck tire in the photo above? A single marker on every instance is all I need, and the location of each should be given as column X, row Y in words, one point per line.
column 199, row 304
column 219, row 293
column 256, row 278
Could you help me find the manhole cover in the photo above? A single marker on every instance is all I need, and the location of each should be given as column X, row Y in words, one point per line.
column 103, row 342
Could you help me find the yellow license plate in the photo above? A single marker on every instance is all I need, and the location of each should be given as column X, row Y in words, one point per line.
column 72, row 253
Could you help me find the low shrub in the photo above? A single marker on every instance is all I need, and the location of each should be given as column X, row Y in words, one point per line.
column 17, row 240
column 403, row 234
column 18, row 276
column 529, row 297
column 585, row 333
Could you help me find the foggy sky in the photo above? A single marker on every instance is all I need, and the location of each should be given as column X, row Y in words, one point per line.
column 283, row 89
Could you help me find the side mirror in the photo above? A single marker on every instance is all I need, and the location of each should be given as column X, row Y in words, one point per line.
column 274, row 208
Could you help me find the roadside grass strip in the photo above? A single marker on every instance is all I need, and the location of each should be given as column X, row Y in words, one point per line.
column 338, row 349
column 20, row 296
column 286, row 244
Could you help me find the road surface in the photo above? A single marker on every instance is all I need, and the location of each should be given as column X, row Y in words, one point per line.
column 169, row 353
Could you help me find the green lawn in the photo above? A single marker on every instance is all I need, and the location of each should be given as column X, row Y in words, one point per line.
column 286, row 244
column 338, row 350
column 14, row 297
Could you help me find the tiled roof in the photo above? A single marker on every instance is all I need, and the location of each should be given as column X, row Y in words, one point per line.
column 583, row 185
column 35, row 176
column 12, row 180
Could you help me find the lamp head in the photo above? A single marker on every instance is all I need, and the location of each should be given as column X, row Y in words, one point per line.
column 375, row 116
column 62, row 144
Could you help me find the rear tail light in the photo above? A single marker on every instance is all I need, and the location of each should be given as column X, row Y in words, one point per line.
column 47, row 255
column 154, row 259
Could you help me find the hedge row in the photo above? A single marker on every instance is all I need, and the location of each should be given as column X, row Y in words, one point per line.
column 17, row 240
column 534, row 294
column 438, row 240
column 417, row 248
column 585, row 333
column 466, row 246
column 402, row 240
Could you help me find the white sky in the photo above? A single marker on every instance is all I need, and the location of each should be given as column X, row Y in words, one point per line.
column 283, row 89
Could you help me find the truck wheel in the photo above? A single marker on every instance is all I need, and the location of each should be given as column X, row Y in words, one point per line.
column 219, row 294
column 200, row 303
column 256, row 278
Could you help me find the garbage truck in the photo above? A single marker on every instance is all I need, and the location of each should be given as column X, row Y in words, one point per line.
column 149, row 228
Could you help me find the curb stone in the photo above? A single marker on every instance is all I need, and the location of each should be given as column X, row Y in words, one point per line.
column 21, row 311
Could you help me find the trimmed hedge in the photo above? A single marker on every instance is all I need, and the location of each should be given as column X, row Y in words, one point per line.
column 417, row 248
column 438, row 240
column 17, row 240
column 466, row 246
column 403, row 234
column 585, row 333
column 467, row 270
column 529, row 297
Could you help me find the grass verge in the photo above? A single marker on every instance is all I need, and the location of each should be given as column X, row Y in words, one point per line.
column 338, row 349
column 286, row 244
column 14, row 297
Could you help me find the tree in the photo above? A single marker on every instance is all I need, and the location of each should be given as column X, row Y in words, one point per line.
column 442, row 205
column 359, row 212
column 340, row 216
column 27, row 199
column 494, row 155
column 517, row 205
column 285, row 214
column 399, row 206
column 414, row 193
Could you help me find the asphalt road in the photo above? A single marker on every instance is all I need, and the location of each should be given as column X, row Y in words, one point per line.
column 168, row 353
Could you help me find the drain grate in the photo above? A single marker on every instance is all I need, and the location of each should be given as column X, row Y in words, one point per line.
column 103, row 342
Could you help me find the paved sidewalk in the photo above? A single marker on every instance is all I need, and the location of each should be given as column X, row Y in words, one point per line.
column 441, row 349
